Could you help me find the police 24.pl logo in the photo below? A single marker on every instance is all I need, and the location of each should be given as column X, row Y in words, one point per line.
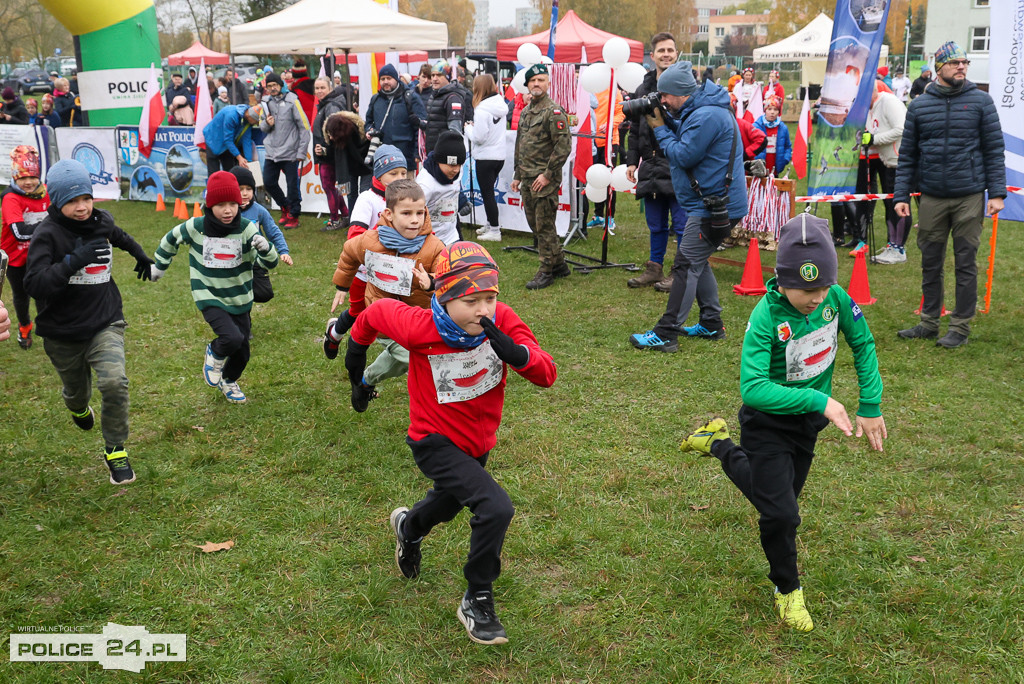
column 118, row 647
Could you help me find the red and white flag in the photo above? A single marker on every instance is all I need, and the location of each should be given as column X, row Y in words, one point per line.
column 153, row 113
column 803, row 135
column 756, row 104
column 204, row 107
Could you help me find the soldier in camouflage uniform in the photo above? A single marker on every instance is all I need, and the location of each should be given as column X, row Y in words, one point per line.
column 542, row 146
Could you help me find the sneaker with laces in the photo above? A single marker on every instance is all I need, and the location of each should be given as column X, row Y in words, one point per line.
column 918, row 332
column 888, row 246
column 650, row 340
column 476, row 613
column 596, row 221
column 213, row 366
column 883, row 256
column 232, row 391
column 25, row 336
column 85, row 419
column 792, row 610
column 330, row 346
column 407, row 553
column 703, row 438
column 117, row 463
column 362, row 394
column 899, row 255
column 858, row 248
column 493, row 235
column 702, row 332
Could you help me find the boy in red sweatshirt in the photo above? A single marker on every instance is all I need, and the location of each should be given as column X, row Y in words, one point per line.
column 458, row 351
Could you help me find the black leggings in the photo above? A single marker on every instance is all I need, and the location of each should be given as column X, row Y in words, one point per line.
column 16, row 276
column 487, row 171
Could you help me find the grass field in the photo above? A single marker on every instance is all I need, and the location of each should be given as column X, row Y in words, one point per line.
column 627, row 560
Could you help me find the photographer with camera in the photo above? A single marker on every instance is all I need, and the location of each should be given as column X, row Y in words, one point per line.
column 394, row 116
column 697, row 131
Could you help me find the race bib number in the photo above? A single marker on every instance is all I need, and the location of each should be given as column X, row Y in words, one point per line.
column 811, row 355
column 389, row 273
column 465, row 375
column 444, row 211
column 95, row 273
column 222, row 252
column 31, row 218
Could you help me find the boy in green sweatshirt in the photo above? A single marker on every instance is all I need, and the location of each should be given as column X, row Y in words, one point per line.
column 785, row 382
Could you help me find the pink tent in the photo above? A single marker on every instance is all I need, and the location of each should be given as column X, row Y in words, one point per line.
column 195, row 53
column 572, row 35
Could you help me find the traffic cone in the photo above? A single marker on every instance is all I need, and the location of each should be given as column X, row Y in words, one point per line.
column 196, row 211
column 160, row 206
column 182, row 210
column 177, row 208
column 860, row 289
column 752, row 283
column 921, row 306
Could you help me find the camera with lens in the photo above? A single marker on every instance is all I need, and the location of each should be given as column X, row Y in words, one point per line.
column 642, row 106
column 718, row 213
column 374, row 144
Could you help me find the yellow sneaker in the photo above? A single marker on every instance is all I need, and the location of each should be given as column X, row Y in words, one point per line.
column 791, row 609
column 703, row 437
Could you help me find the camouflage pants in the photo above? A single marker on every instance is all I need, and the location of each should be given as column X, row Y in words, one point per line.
column 540, row 215
column 75, row 361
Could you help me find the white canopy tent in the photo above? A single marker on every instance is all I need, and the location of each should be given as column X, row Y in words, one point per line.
column 313, row 26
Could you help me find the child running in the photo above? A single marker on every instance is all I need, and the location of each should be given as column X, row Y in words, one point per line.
column 68, row 273
column 439, row 179
column 402, row 247
column 24, row 206
column 222, row 250
column 786, row 368
column 458, row 351
column 262, row 289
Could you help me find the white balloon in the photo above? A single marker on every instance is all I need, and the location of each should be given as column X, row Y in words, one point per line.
column 596, row 78
column 596, row 194
column 528, row 54
column 620, row 181
column 630, row 76
column 544, row 59
column 599, row 176
column 519, row 82
column 616, row 52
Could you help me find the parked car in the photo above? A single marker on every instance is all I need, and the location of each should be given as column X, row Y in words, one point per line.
column 26, row 81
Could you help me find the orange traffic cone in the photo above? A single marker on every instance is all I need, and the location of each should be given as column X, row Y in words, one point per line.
column 196, row 211
column 182, row 210
column 160, row 206
column 177, row 208
column 752, row 283
column 921, row 306
column 860, row 289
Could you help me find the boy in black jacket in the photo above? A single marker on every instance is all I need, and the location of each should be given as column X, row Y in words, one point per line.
column 68, row 273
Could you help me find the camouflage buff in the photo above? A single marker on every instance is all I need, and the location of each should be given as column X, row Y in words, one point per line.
column 542, row 147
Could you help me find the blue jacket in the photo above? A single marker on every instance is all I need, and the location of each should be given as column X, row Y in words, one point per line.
column 399, row 127
column 952, row 146
column 228, row 131
column 783, row 147
column 700, row 140
column 259, row 215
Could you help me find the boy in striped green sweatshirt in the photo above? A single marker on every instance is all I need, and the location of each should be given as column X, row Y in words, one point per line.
column 222, row 250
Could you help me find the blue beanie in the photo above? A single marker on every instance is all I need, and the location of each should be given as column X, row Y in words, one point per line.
column 387, row 157
column 66, row 180
column 678, row 80
column 388, row 70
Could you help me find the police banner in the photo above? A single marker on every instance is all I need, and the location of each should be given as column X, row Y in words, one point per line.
column 39, row 137
column 112, row 88
column 1006, row 86
column 96, row 148
column 174, row 168
column 857, row 35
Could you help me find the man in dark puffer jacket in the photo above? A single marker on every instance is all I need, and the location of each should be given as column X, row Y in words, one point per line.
column 952, row 151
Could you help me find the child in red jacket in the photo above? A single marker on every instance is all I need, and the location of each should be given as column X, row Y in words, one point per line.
column 458, row 351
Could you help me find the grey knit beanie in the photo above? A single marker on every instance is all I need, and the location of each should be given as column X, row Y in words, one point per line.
column 806, row 258
column 66, row 180
column 678, row 80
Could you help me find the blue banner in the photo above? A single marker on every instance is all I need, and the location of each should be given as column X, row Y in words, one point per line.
column 554, row 28
column 857, row 35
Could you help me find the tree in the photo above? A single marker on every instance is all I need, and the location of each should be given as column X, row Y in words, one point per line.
column 457, row 14
column 749, row 7
column 29, row 32
column 895, row 29
column 789, row 17
column 738, row 45
column 251, row 10
column 211, row 16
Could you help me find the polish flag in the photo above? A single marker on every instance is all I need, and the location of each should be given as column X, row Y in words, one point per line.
column 803, row 135
column 153, row 113
column 204, row 107
column 583, row 141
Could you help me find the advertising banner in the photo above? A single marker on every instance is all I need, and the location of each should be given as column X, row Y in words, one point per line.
column 314, row 201
column 1006, row 85
column 39, row 137
column 174, row 169
column 857, row 35
column 96, row 148
column 112, row 88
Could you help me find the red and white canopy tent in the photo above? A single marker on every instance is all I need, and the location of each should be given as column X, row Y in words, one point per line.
column 572, row 35
column 198, row 52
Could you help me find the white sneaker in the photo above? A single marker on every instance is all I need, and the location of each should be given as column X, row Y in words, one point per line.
column 233, row 392
column 492, row 235
column 888, row 247
column 883, row 257
column 212, row 367
column 482, row 229
column 899, row 255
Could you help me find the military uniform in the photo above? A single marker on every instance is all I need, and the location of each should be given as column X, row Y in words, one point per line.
column 542, row 146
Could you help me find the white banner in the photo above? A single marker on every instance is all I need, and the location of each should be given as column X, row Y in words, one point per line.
column 1006, row 85
column 113, row 88
column 96, row 148
column 314, row 201
column 11, row 136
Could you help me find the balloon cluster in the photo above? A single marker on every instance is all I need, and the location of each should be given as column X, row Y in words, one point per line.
column 528, row 54
column 600, row 177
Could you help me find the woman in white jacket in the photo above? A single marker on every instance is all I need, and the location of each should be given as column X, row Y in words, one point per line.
column 487, row 133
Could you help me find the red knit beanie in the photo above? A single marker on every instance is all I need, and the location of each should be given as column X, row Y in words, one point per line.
column 222, row 187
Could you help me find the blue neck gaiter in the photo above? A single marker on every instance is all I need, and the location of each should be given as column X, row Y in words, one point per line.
column 452, row 334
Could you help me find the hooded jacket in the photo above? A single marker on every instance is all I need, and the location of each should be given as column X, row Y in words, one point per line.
column 288, row 139
column 885, row 122
column 488, row 130
column 397, row 117
column 653, row 178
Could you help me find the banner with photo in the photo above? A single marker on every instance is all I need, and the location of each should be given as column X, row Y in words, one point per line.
column 96, row 148
column 39, row 137
column 174, row 169
column 1006, row 85
column 857, row 35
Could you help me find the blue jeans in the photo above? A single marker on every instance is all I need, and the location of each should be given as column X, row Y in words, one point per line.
column 271, row 174
column 658, row 211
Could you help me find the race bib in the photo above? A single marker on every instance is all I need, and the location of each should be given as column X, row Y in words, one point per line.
column 465, row 375
column 95, row 273
column 445, row 210
column 389, row 273
column 222, row 252
column 812, row 354
column 770, row 148
column 31, row 218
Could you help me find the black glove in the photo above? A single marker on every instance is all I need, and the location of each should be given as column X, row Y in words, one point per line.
column 142, row 267
column 355, row 361
column 515, row 355
column 86, row 253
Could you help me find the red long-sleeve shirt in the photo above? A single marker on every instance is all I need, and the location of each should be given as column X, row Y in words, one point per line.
column 471, row 424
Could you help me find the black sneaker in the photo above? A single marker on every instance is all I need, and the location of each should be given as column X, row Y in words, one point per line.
column 361, row 396
column 407, row 553
column 540, row 281
column 476, row 612
column 120, row 470
column 951, row 340
column 918, row 332
column 85, row 419
column 330, row 346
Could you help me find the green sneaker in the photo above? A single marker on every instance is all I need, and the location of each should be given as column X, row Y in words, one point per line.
column 791, row 609
column 702, row 438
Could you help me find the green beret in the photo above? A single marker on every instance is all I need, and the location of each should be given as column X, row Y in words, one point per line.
column 535, row 70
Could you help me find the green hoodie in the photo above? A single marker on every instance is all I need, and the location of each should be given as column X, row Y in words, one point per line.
column 787, row 360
